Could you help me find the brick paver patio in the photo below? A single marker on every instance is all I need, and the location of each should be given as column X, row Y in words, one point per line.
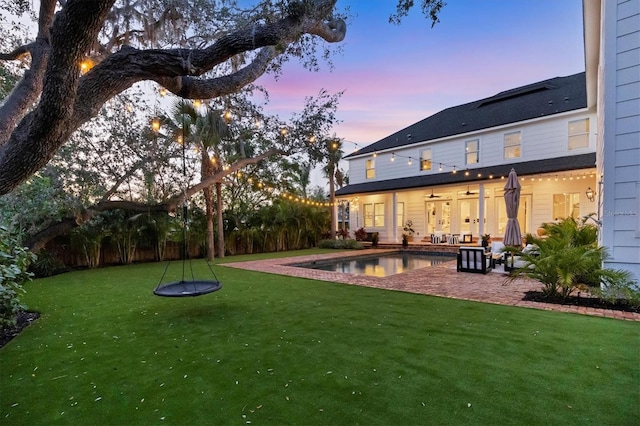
column 441, row 280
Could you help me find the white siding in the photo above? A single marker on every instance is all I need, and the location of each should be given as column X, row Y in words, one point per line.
column 540, row 138
column 619, row 111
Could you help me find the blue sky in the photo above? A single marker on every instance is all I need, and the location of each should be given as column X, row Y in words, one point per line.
column 394, row 75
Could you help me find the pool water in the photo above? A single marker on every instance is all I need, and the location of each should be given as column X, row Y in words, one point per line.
column 381, row 265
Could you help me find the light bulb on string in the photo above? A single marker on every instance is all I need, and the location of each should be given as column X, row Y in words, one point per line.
column 155, row 124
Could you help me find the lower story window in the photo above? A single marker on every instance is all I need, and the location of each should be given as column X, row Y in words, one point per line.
column 373, row 215
column 566, row 205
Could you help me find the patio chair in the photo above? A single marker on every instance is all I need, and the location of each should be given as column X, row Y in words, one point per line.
column 473, row 259
column 497, row 255
column 512, row 262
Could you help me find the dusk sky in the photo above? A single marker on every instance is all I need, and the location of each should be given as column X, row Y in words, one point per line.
column 395, row 75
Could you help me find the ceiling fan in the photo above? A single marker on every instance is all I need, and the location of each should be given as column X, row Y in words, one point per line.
column 433, row 195
column 469, row 192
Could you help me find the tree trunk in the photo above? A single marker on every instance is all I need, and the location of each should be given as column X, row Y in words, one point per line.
column 219, row 207
column 332, row 198
column 208, row 197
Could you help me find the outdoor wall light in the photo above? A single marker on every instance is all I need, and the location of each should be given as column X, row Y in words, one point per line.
column 590, row 193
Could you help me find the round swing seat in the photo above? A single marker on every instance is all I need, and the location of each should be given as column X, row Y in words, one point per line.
column 187, row 288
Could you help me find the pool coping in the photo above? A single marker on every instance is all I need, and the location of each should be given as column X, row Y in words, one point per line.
column 439, row 280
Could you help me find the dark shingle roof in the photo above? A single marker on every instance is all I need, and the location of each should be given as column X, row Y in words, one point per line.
column 550, row 165
column 553, row 96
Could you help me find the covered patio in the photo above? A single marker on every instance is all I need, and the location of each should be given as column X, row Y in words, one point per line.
column 462, row 209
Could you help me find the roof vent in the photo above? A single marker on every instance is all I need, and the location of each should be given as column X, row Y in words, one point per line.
column 516, row 93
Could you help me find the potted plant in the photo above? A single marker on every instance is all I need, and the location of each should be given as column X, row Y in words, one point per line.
column 486, row 240
column 408, row 232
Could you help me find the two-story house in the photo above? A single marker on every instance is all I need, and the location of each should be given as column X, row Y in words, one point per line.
column 574, row 142
column 447, row 173
column 612, row 59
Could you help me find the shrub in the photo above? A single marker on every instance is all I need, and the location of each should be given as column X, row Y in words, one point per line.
column 360, row 234
column 569, row 257
column 14, row 261
column 46, row 265
column 349, row 243
column 343, row 233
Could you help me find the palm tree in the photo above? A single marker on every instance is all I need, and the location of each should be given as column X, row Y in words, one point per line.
column 333, row 155
column 568, row 257
column 207, row 132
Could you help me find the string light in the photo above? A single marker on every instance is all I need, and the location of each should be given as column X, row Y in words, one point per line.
column 155, row 124
column 86, row 64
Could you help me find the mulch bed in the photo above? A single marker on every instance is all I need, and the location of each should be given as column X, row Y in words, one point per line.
column 578, row 300
column 24, row 319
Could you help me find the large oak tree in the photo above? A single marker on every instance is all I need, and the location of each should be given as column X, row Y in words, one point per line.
column 179, row 44
column 56, row 96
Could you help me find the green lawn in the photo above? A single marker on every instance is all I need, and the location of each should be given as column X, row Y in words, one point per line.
column 269, row 349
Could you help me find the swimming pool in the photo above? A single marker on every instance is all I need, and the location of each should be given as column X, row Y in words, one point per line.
column 381, row 265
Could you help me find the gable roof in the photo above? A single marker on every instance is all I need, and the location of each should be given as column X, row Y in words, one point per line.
column 525, row 168
column 545, row 98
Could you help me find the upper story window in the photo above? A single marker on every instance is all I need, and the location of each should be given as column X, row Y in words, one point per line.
column 512, row 145
column 425, row 159
column 472, row 151
column 371, row 169
column 579, row 134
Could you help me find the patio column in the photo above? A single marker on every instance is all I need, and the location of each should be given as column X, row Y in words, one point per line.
column 481, row 211
column 394, row 217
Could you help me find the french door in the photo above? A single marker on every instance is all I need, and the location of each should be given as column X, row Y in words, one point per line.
column 438, row 217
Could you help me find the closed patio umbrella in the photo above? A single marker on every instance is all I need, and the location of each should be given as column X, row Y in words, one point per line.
column 512, row 234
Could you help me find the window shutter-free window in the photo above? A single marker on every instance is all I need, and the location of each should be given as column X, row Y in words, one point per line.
column 579, row 134
column 512, row 145
column 425, row 159
column 472, row 151
column 371, row 169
